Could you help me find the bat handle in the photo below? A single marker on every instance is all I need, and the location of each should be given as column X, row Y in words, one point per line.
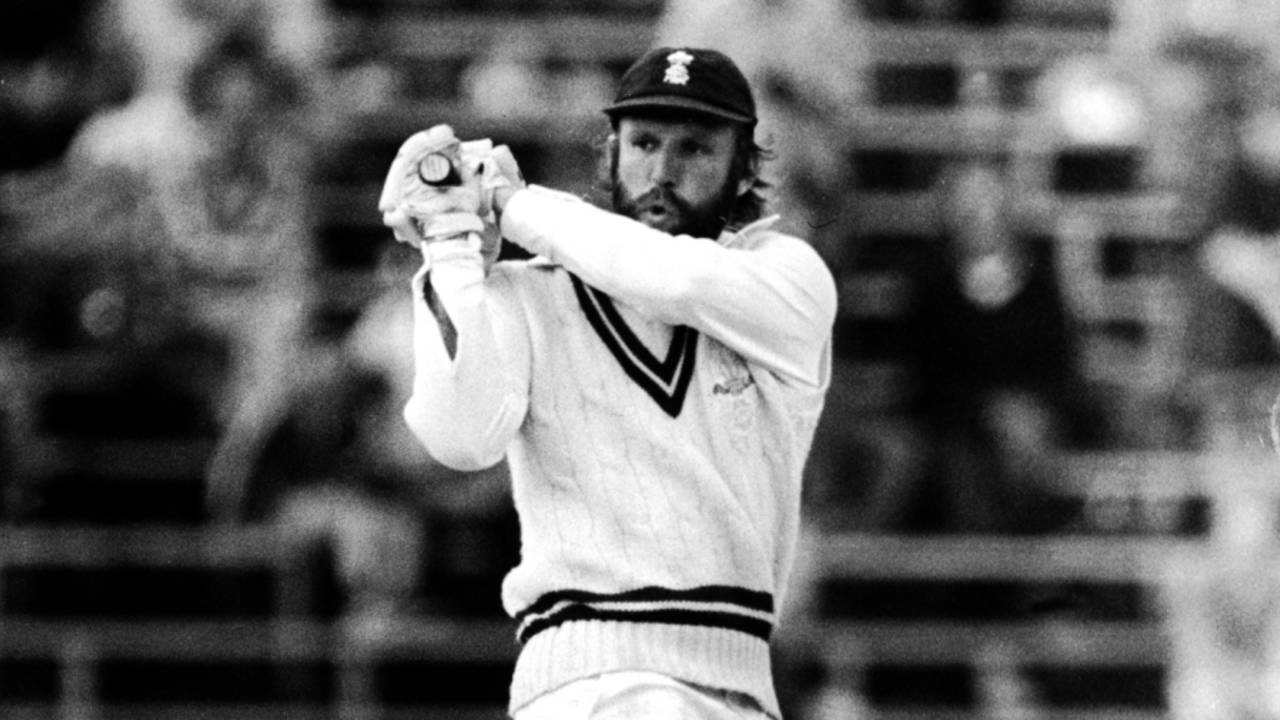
column 437, row 169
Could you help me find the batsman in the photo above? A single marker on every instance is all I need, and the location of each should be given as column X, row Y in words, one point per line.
column 653, row 375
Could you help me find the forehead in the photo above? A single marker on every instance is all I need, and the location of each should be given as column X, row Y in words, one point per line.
column 676, row 127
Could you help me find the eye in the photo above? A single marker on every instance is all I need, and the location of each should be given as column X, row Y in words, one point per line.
column 644, row 142
column 697, row 147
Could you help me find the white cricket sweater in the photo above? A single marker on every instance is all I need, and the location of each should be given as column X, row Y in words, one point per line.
column 656, row 398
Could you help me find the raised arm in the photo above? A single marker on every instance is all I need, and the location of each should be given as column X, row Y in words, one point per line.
column 767, row 295
column 471, row 356
column 471, row 359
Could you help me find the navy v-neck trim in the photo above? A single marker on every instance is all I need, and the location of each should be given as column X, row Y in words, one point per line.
column 667, row 380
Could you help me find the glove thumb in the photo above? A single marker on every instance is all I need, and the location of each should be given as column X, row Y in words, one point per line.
column 504, row 164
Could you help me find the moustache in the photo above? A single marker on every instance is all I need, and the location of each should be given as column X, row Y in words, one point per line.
column 662, row 196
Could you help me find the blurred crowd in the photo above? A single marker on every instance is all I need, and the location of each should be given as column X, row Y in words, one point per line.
column 164, row 223
column 160, row 202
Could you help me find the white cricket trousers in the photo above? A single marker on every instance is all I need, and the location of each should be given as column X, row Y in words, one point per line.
column 635, row 695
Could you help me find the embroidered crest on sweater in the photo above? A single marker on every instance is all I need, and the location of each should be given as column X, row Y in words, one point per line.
column 733, row 386
column 666, row 381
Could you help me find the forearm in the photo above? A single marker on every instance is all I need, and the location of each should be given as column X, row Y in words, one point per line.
column 609, row 252
column 468, row 395
column 774, row 302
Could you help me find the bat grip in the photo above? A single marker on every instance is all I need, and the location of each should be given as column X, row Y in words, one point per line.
column 437, row 169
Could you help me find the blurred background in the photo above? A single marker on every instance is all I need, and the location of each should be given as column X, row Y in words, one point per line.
column 1044, row 485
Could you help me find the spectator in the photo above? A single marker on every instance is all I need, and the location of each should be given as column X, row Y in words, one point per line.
column 995, row 355
column 984, row 345
column 1222, row 611
column 226, row 159
column 344, row 475
column 1231, row 335
column 1232, row 199
column 57, row 71
column 1243, row 252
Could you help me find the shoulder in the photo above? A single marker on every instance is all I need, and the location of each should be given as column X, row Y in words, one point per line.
column 766, row 233
column 789, row 252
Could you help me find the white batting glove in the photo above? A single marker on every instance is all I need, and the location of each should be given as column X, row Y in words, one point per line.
column 501, row 170
column 434, row 188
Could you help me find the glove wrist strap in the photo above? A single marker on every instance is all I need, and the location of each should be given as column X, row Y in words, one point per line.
column 454, row 224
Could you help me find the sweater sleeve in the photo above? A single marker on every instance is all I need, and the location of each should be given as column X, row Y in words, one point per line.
column 468, row 400
column 771, row 300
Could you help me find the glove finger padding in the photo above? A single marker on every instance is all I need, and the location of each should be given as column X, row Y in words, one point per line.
column 403, row 171
column 503, row 169
column 489, row 168
column 402, row 176
column 433, row 188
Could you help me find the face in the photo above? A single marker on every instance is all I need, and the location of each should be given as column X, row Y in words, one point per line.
column 977, row 206
column 675, row 176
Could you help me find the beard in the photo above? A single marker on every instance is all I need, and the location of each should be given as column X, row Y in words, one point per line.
column 662, row 209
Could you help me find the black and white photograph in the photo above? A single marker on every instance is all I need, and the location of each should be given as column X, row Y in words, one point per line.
column 640, row 360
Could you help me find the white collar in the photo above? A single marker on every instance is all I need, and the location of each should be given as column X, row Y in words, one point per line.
column 727, row 237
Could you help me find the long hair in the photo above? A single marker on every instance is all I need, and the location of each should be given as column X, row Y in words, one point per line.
column 748, row 159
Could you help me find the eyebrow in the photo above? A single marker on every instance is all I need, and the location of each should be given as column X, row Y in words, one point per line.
column 698, row 133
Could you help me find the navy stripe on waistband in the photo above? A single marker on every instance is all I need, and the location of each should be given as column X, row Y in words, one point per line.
column 714, row 606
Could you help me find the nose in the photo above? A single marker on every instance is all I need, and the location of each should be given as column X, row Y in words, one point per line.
column 665, row 169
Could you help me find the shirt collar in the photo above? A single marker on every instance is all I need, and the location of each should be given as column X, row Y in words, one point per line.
column 728, row 237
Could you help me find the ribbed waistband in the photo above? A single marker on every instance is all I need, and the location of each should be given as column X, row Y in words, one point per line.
column 712, row 657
